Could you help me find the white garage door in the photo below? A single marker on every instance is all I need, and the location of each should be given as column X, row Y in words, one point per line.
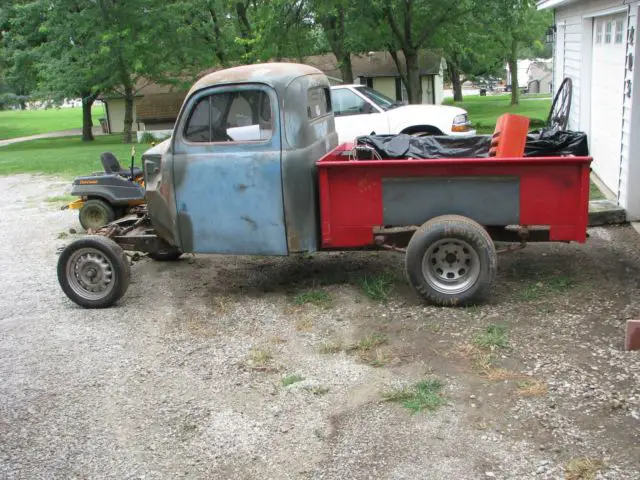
column 607, row 94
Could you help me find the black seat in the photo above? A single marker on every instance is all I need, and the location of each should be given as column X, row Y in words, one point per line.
column 111, row 165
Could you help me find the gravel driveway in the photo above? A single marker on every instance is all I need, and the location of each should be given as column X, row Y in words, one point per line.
column 184, row 378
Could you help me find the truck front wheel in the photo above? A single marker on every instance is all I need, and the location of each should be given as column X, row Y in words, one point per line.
column 451, row 260
column 94, row 272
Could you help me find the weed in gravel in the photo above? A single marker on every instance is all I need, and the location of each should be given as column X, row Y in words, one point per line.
column 327, row 347
column 223, row 304
column 259, row 359
column 424, row 395
column 63, row 235
column 291, row 379
column 314, row 297
column 543, row 288
column 377, row 358
column 484, row 363
column 304, row 325
column 532, row 388
column 494, row 374
column 60, row 199
column 378, row 287
column 368, row 343
column 583, row 469
column 317, row 390
column 494, row 337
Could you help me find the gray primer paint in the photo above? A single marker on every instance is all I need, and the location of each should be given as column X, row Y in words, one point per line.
column 487, row 200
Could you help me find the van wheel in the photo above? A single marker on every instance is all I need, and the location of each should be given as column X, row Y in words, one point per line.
column 96, row 214
column 451, row 260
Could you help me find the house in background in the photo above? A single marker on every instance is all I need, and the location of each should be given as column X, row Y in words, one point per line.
column 156, row 107
column 540, row 76
column 378, row 71
column 534, row 76
column 596, row 45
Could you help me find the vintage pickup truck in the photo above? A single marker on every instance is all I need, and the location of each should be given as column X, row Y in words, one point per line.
column 254, row 168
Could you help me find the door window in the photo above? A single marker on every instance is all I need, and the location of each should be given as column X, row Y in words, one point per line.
column 242, row 116
column 346, row 103
column 607, row 32
column 619, row 31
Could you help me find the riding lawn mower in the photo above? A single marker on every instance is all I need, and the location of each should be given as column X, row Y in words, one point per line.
column 108, row 195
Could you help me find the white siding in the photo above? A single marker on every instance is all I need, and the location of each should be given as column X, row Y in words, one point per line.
column 115, row 110
column 630, row 149
column 570, row 40
column 386, row 86
column 573, row 58
column 438, row 83
column 427, row 89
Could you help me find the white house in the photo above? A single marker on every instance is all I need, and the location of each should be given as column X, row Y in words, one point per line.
column 596, row 45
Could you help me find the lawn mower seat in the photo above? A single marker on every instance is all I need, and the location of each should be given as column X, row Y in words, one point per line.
column 111, row 165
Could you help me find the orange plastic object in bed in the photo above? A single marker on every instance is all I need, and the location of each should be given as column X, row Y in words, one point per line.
column 510, row 136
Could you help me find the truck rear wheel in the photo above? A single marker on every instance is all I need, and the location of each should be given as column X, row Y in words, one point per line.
column 94, row 272
column 169, row 255
column 451, row 260
column 95, row 214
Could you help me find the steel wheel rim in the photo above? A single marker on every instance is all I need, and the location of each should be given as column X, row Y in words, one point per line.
column 95, row 217
column 451, row 266
column 90, row 273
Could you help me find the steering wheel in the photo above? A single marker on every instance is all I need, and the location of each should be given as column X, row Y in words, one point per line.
column 561, row 106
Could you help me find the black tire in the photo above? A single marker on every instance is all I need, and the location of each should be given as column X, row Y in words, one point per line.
column 169, row 255
column 95, row 214
column 463, row 272
column 107, row 260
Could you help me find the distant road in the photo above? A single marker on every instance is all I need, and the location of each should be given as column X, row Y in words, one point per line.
column 62, row 133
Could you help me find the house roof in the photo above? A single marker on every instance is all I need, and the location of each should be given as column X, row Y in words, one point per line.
column 373, row 64
column 376, row 64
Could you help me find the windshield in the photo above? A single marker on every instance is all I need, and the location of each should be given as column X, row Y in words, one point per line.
column 379, row 99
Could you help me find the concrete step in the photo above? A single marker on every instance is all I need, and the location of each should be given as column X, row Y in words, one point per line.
column 605, row 212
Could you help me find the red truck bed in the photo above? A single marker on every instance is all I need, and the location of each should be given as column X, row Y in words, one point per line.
column 358, row 197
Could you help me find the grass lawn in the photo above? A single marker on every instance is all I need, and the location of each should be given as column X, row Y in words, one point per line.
column 22, row 123
column 68, row 156
column 484, row 111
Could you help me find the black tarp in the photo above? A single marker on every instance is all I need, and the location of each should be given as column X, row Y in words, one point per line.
column 541, row 143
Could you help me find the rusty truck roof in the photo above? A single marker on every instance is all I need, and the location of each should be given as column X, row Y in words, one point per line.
column 273, row 74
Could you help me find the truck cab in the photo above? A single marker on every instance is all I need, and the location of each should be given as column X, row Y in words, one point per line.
column 238, row 174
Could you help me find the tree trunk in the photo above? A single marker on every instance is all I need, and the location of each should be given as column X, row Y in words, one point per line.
column 346, row 68
column 513, row 69
column 414, row 89
column 23, row 105
column 87, row 102
column 454, row 74
column 128, row 113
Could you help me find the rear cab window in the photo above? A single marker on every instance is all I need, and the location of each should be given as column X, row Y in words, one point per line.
column 318, row 102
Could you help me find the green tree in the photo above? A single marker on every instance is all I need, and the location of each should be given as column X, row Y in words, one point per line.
column 20, row 39
column 515, row 25
column 349, row 28
column 415, row 25
column 73, row 64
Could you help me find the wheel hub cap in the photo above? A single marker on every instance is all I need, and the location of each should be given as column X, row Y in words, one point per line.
column 451, row 266
column 90, row 273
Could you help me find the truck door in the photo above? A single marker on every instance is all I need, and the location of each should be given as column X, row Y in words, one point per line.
column 227, row 172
